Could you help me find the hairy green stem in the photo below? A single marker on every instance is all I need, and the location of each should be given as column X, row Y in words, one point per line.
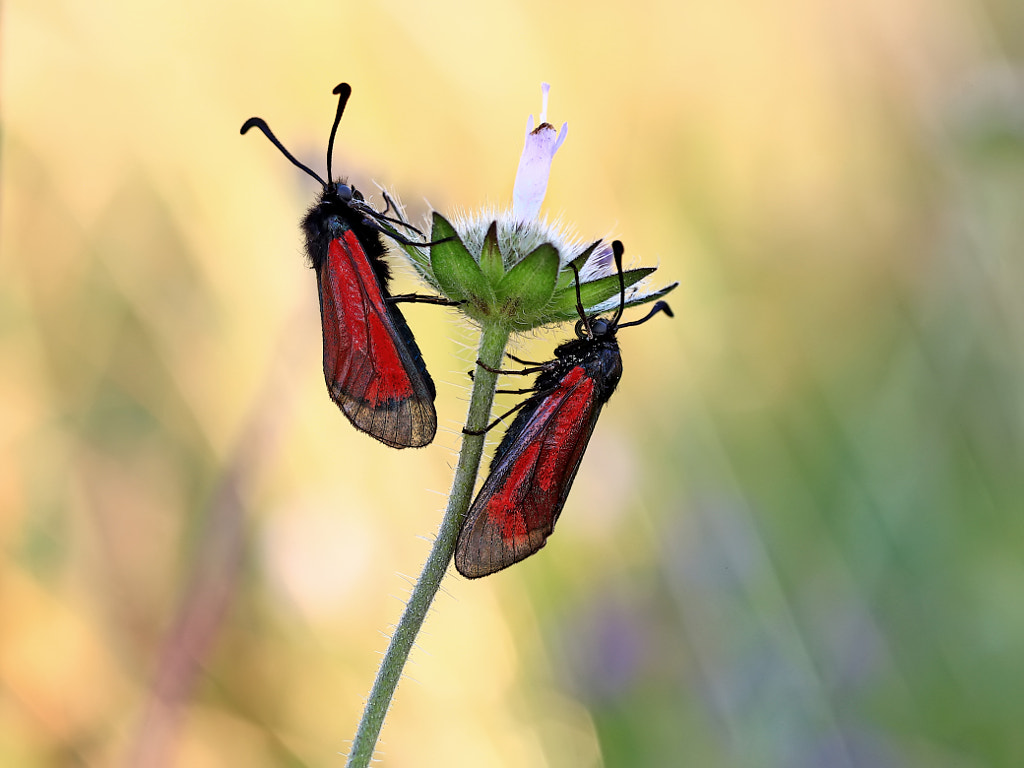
column 492, row 348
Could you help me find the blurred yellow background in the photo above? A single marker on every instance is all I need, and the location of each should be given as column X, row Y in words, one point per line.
column 796, row 539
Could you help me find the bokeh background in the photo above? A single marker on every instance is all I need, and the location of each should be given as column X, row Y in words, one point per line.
column 797, row 538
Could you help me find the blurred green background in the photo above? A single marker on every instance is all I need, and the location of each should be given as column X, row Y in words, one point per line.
column 796, row 539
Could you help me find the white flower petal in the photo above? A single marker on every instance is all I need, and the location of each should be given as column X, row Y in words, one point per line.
column 599, row 264
column 539, row 150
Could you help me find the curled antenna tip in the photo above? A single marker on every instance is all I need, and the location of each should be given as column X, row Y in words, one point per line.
column 252, row 122
column 257, row 122
column 342, row 91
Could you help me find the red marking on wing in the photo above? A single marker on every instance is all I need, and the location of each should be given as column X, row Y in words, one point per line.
column 519, row 503
column 513, row 527
column 358, row 326
column 369, row 371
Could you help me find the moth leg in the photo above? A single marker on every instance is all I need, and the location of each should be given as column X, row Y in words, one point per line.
column 373, row 222
column 523, row 372
column 497, row 421
column 520, row 360
column 509, row 412
column 417, row 298
column 389, row 205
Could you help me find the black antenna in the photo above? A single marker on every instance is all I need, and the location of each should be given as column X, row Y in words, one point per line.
column 661, row 306
column 259, row 122
column 372, row 218
column 579, row 303
column 617, row 250
column 342, row 91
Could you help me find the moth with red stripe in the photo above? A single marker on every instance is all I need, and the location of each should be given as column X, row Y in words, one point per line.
column 373, row 368
column 536, row 462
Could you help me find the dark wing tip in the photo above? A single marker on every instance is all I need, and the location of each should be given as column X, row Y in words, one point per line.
column 482, row 550
column 409, row 423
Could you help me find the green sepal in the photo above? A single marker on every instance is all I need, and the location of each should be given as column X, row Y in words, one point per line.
column 563, row 304
column 527, row 288
column 635, row 298
column 454, row 268
column 491, row 262
column 566, row 277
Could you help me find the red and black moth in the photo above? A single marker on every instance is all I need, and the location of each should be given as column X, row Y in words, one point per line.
column 534, row 465
column 373, row 368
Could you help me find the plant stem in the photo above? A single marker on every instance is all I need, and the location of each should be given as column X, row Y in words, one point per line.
column 492, row 348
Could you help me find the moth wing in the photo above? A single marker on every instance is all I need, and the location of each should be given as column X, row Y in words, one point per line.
column 371, row 372
column 519, row 503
